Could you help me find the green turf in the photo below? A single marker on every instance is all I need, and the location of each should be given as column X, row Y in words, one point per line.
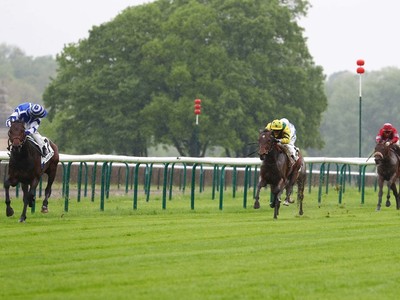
column 346, row 251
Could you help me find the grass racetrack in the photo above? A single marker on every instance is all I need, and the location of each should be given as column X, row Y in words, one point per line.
column 346, row 251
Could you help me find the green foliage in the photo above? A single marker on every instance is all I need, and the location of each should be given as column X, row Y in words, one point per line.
column 345, row 251
column 379, row 104
column 24, row 78
column 131, row 84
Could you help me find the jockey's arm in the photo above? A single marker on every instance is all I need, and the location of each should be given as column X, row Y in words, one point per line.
column 14, row 116
column 32, row 127
column 285, row 135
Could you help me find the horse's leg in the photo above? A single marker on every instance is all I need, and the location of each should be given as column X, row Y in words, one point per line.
column 289, row 191
column 51, row 175
column 260, row 184
column 277, row 190
column 388, row 195
column 277, row 206
column 9, row 209
column 301, row 182
column 290, row 184
column 380, row 193
column 26, row 197
column 395, row 193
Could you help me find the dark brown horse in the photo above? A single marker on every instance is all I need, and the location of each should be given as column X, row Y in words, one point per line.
column 388, row 169
column 276, row 171
column 25, row 167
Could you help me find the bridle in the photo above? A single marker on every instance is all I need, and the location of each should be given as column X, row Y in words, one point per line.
column 15, row 142
column 380, row 155
column 265, row 149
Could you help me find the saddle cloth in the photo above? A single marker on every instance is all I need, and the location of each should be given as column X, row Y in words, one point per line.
column 50, row 151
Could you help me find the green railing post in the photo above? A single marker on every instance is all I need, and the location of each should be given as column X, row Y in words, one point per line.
column 201, row 181
column 171, row 181
column 164, row 192
column 63, row 179
column 79, row 182
column 255, row 183
column 126, row 178
column 135, row 186
column 192, row 192
column 310, row 171
column 245, row 185
column 363, row 183
column 342, row 180
column 234, row 180
column 149, row 175
column 104, row 171
column 321, row 181
column 94, row 174
column 108, row 180
column 67, row 177
column 221, row 190
column 214, row 181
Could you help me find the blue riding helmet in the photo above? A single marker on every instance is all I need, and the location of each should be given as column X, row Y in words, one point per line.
column 37, row 111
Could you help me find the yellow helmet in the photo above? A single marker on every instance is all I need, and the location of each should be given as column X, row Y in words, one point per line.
column 276, row 125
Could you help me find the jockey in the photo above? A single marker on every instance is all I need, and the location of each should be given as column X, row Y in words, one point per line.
column 388, row 134
column 293, row 136
column 283, row 134
column 30, row 114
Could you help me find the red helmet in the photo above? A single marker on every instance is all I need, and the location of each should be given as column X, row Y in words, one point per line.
column 387, row 127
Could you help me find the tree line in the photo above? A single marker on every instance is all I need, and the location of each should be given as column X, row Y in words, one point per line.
column 131, row 84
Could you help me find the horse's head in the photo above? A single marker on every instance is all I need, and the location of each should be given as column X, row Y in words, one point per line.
column 381, row 151
column 266, row 141
column 16, row 135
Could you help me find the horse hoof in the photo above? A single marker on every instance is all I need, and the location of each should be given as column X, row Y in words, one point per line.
column 256, row 205
column 378, row 209
column 44, row 210
column 286, row 203
column 272, row 205
column 22, row 220
column 9, row 212
column 387, row 203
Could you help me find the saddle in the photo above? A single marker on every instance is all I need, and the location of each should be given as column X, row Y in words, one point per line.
column 50, row 151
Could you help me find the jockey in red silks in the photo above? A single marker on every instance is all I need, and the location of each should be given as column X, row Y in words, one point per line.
column 389, row 135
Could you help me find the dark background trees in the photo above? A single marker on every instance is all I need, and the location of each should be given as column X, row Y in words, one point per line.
column 24, row 78
column 340, row 126
column 132, row 82
column 144, row 92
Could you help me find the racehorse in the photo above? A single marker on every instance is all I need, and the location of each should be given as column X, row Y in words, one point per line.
column 25, row 167
column 388, row 169
column 276, row 171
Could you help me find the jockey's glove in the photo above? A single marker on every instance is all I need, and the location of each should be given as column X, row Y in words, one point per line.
column 387, row 143
column 27, row 132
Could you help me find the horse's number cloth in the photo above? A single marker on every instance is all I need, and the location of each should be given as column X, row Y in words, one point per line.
column 50, row 153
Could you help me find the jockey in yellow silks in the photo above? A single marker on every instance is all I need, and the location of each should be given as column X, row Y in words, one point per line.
column 283, row 134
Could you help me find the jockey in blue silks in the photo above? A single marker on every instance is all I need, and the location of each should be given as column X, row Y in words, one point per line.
column 30, row 114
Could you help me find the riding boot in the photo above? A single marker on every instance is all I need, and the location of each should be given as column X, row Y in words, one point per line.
column 290, row 156
column 44, row 151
